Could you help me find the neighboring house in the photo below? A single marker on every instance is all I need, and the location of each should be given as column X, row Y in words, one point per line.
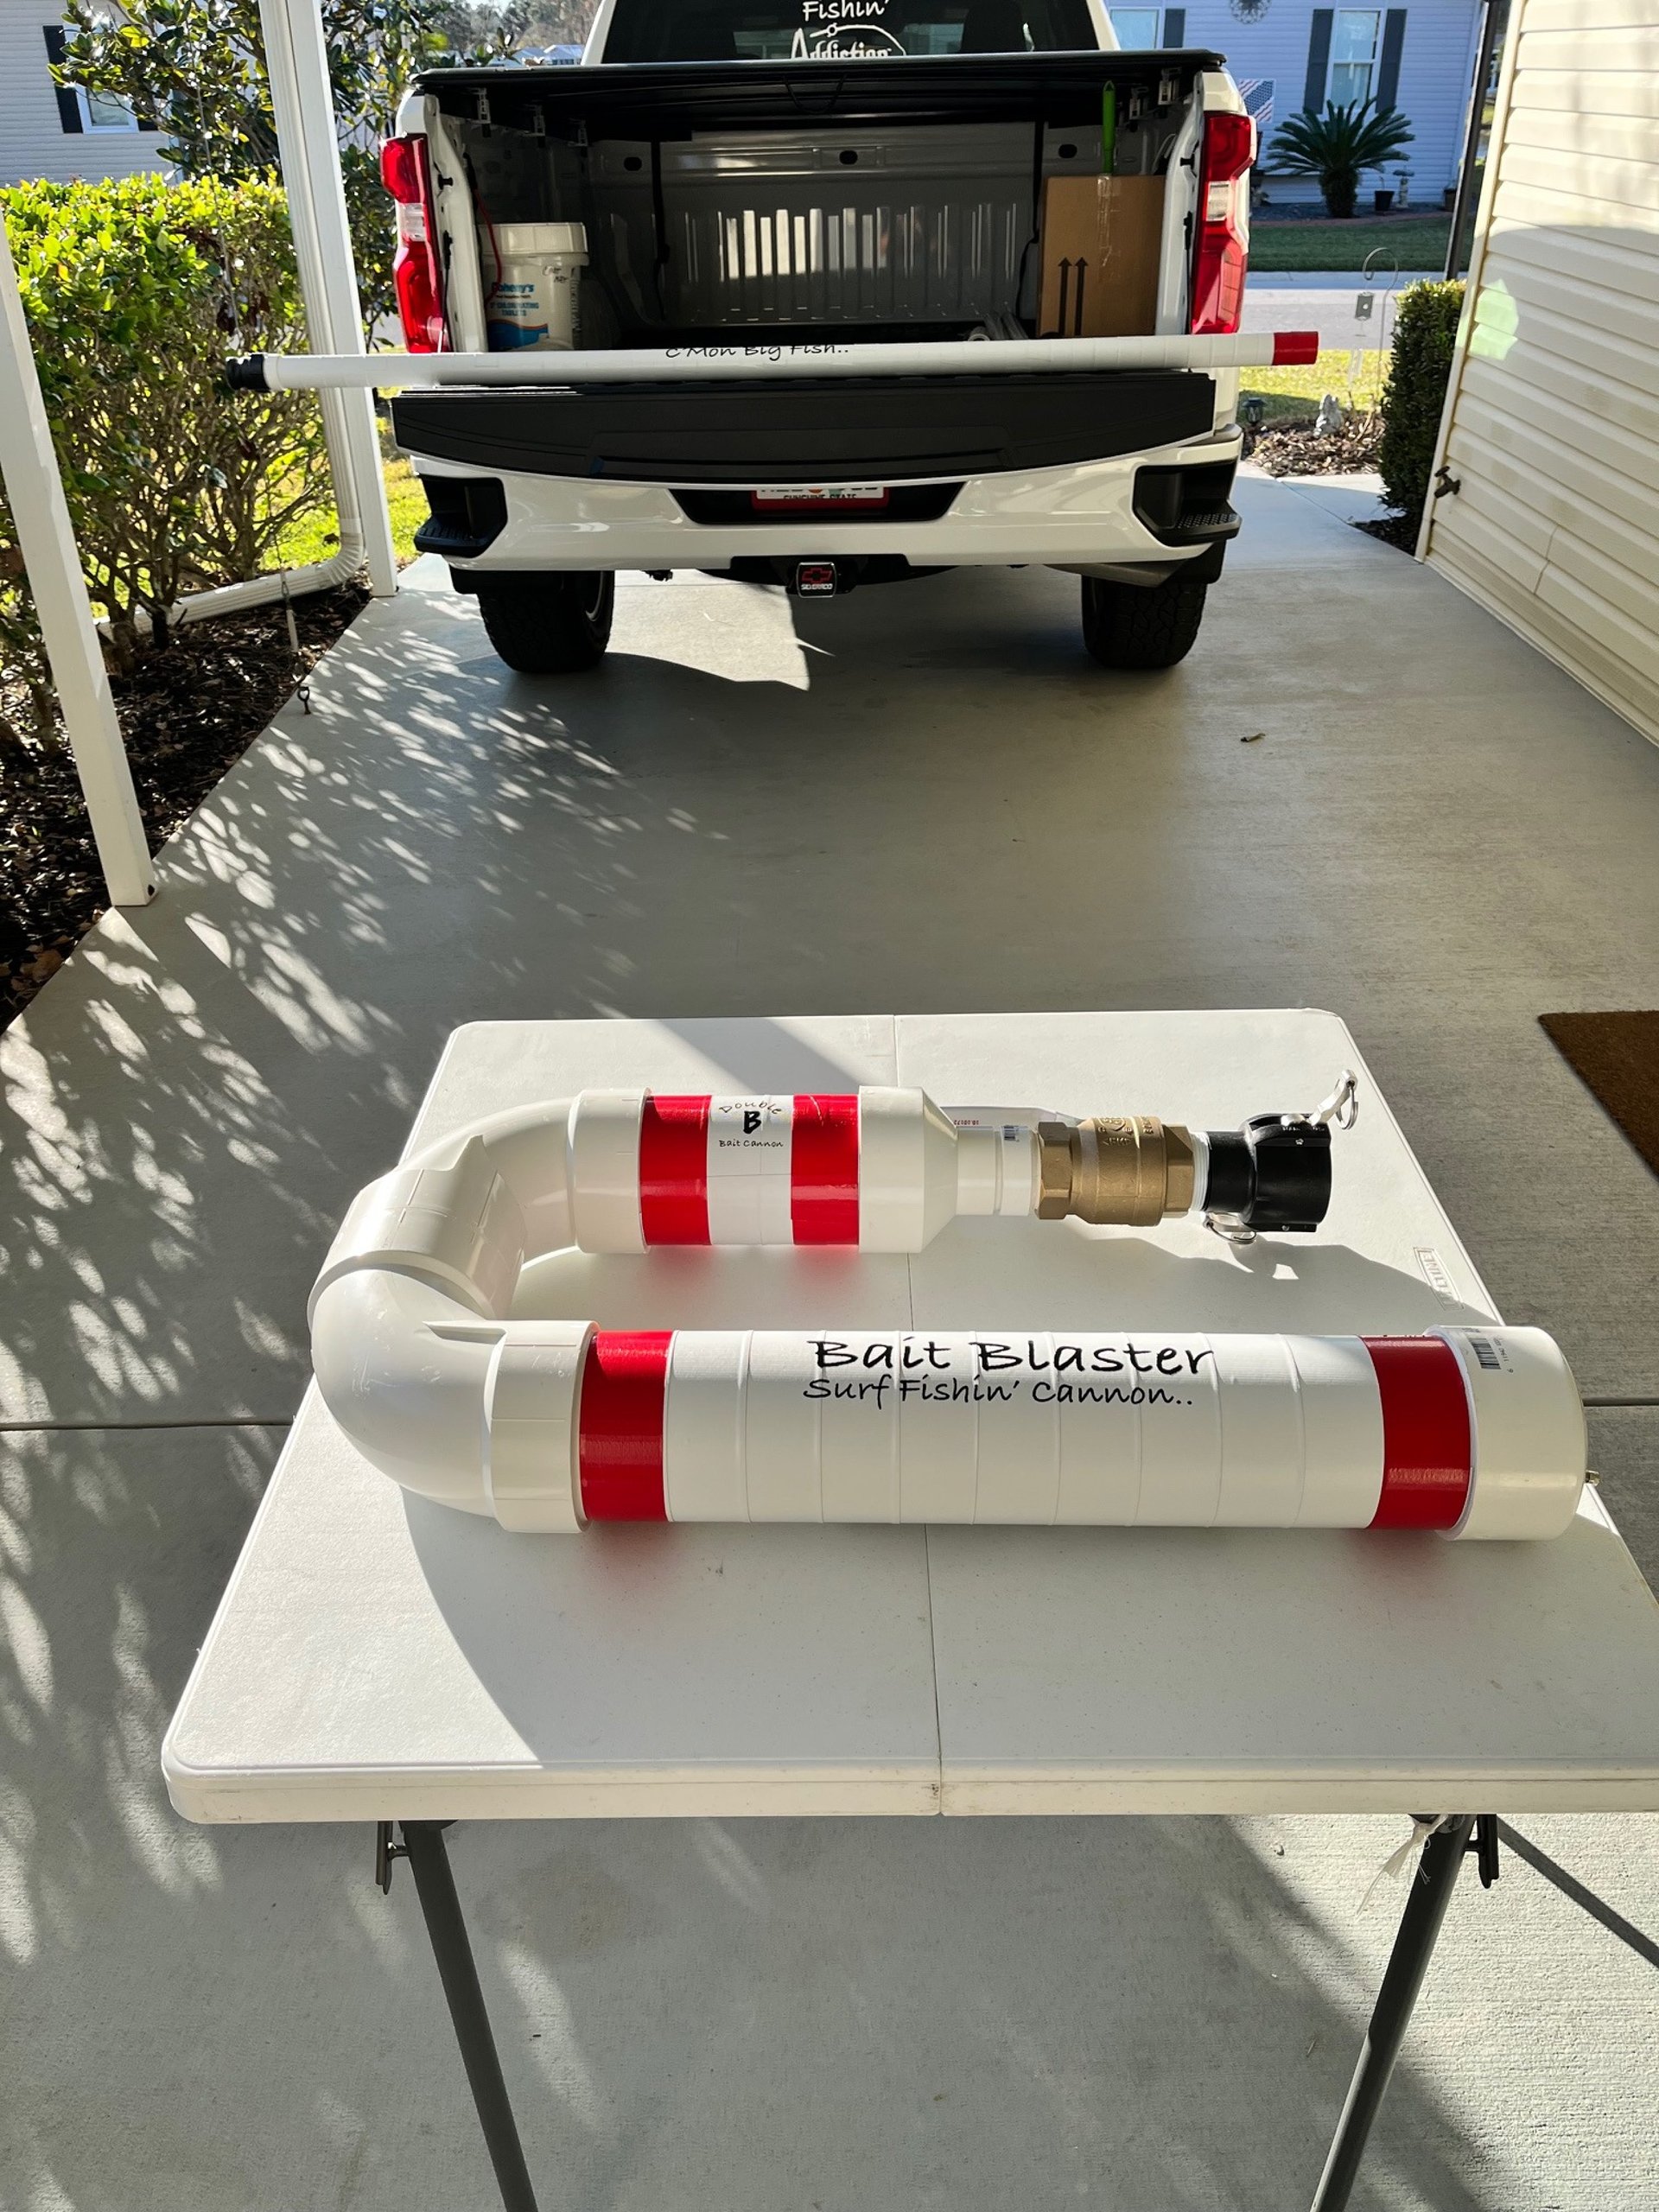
column 48, row 130
column 1551, row 436
column 1287, row 56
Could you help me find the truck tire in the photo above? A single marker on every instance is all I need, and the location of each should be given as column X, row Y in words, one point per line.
column 1127, row 626
column 549, row 625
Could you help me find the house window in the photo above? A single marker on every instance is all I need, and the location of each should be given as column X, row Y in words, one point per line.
column 79, row 112
column 1353, row 55
column 1137, row 28
column 105, row 111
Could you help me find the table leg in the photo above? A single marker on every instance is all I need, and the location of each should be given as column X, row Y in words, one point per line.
column 441, row 1907
column 1432, row 1885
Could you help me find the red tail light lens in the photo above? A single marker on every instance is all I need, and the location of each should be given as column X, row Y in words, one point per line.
column 407, row 176
column 1223, row 252
column 402, row 170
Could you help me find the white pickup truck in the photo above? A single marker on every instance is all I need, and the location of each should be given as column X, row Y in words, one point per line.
column 804, row 181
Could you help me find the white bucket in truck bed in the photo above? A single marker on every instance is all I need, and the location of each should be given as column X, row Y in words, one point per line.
column 533, row 301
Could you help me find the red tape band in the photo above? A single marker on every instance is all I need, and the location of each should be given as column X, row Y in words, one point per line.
column 674, row 1169
column 823, row 1170
column 620, row 1425
column 1295, row 348
column 1426, row 1435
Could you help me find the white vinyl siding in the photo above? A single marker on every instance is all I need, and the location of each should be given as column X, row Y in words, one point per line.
column 1552, row 427
column 33, row 141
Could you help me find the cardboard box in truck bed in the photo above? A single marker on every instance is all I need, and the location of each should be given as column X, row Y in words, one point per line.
column 1102, row 237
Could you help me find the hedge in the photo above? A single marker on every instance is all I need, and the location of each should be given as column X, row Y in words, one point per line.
column 1414, row 395
column 136, row 292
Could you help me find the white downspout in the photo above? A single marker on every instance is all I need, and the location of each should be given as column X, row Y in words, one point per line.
column 260, row 591
column 296, row 62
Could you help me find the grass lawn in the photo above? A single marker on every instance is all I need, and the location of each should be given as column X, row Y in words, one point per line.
column 1293, row 395
column 1409, row 241
column 318, row 535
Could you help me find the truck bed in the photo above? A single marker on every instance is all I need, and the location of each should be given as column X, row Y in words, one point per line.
column 719, row 198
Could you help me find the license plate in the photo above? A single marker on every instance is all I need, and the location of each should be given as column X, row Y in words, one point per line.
column 813, row 498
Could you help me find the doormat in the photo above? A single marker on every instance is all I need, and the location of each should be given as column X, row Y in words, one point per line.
column 1616, row 1055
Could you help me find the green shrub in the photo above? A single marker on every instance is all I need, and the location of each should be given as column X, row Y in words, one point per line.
column 194, row 70
column 1339, row 147
column 1415, row 394
column 136, row 291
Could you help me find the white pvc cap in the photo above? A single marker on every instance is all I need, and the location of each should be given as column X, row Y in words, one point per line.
column 1527, row 1435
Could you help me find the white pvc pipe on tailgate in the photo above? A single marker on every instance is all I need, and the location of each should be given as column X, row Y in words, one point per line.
column 702, row 364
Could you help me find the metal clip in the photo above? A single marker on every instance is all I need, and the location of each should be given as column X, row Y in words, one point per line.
column 1230, row 1227
column 1341, row 1109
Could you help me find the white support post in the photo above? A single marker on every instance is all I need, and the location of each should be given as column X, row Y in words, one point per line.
column 297, row 61
column 28, row 465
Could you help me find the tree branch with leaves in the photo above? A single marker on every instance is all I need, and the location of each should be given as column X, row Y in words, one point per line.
column 194, row 70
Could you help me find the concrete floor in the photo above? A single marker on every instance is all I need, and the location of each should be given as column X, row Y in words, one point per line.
column 923, row 798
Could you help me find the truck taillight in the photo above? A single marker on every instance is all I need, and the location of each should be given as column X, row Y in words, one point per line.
column 1223, row 240
column 406, row 173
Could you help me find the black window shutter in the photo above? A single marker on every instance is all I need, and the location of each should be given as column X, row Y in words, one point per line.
column 1319, row 60
column 68, row 106
column 1388, row 76
column 1175, row 27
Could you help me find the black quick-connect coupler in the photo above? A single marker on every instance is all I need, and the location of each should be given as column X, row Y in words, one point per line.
column 1275, row 1173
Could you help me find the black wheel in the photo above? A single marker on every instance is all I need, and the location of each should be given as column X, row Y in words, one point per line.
column 1127, row 626
column 549, row 625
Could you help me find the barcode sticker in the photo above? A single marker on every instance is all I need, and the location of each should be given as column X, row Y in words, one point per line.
column 1487, row 1354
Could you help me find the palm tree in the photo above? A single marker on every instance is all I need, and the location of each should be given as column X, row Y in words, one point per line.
column 1337, row 146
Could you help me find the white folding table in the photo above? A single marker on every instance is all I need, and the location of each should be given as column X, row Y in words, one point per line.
column 377, row 1657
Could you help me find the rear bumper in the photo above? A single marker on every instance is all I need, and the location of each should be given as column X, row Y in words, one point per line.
column 1086, row 514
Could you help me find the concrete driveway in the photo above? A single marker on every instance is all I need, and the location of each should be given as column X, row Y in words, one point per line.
column 920, row 799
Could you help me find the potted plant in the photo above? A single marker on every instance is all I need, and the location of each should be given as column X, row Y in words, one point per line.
column 1339, row 147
